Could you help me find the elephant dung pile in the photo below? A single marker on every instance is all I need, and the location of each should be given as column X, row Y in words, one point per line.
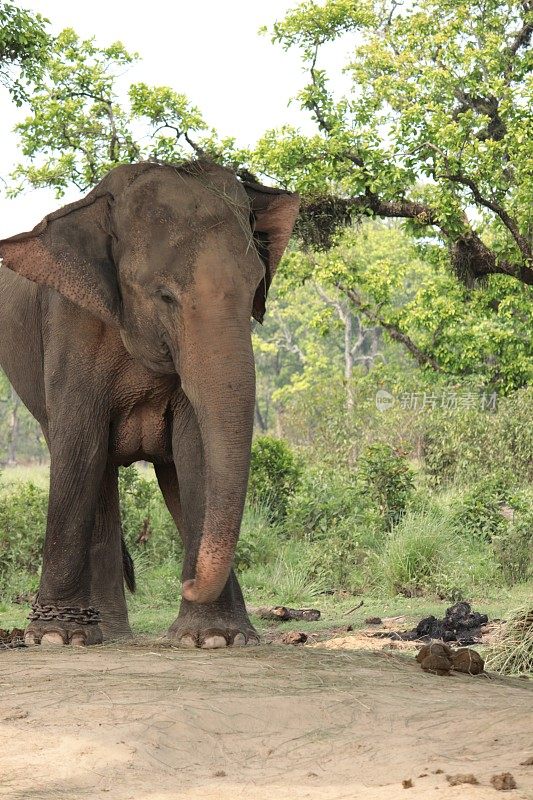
column 460, row 624
column 441, row 660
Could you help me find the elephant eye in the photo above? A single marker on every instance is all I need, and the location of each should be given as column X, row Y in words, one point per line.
column 166, row 296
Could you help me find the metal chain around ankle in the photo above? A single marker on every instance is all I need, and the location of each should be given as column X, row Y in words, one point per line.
column 82, row 616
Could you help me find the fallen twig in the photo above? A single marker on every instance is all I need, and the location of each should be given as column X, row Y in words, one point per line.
column 355, row 608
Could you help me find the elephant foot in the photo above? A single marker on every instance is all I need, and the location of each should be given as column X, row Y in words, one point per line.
column 113, row 622
column 55, row 633
column 60, row 625
column 113, row 632
column 210, row 628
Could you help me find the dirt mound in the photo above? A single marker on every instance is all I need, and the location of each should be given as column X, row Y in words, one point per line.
column 148, row 722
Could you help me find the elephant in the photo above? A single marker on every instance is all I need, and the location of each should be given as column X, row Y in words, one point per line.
column 126, row 323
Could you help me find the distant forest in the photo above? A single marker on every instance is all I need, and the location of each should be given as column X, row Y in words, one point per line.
column 21, row 439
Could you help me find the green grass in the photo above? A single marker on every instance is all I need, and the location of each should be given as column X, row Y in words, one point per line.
column 333, row 539
column 156, row 604
column 39, row 474
column 427, row 553
column 34, row 473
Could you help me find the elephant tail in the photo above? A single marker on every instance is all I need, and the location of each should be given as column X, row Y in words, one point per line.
column 128, row 568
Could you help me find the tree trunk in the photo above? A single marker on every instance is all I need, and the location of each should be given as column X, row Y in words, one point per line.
column 348, row 358
column 259, row 418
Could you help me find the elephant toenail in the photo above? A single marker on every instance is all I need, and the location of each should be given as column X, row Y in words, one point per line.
column 30, row 640
column 253, row 641
column 214, row 642
column 52, row 639
column 187, row 641
column 78, row 640
column 239, row 640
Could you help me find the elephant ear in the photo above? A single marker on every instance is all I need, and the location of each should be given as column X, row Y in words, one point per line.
column 274, row 214
column 70, row 251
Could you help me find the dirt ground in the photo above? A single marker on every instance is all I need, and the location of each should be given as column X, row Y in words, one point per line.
column 148, row 722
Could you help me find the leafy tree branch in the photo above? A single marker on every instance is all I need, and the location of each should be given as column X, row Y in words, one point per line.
column 24, row 49
column 440, row 94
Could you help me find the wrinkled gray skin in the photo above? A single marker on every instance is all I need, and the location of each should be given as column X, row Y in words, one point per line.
column 126, row 331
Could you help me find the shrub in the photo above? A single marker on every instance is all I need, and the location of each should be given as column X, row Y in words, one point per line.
column 274, row 475
column 468, row 443
column 425, row 554
column 479, row 510
column 453, row 443
column 514, row 545
column 23, row 511
column 339, row 562
column 514, row 550
column 336, row 514
column 495, row 513
column 325, row 499
column 388, row 478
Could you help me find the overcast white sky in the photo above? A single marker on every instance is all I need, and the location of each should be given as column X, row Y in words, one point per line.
column 208, row 49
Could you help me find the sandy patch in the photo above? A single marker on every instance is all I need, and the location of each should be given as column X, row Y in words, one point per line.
column 364, row 641
column 147, row 722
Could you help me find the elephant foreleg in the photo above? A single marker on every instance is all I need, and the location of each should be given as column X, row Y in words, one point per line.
column 225, row 621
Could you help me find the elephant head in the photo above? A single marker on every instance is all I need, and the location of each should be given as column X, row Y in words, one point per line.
column 179, row 259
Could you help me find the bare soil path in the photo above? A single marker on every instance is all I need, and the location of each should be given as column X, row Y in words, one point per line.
column 148, row 722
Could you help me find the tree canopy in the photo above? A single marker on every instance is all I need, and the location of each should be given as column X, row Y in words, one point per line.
column 78, row 129
column 24, row 48
column 435, row 129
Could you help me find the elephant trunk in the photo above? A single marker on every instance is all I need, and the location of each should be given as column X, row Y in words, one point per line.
column 218, row 376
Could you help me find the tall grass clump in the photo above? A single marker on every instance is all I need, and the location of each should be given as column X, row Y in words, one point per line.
column 426, row 554
column 512, row 653
column 286, row 578
column 260, row 538
column 293, row 580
